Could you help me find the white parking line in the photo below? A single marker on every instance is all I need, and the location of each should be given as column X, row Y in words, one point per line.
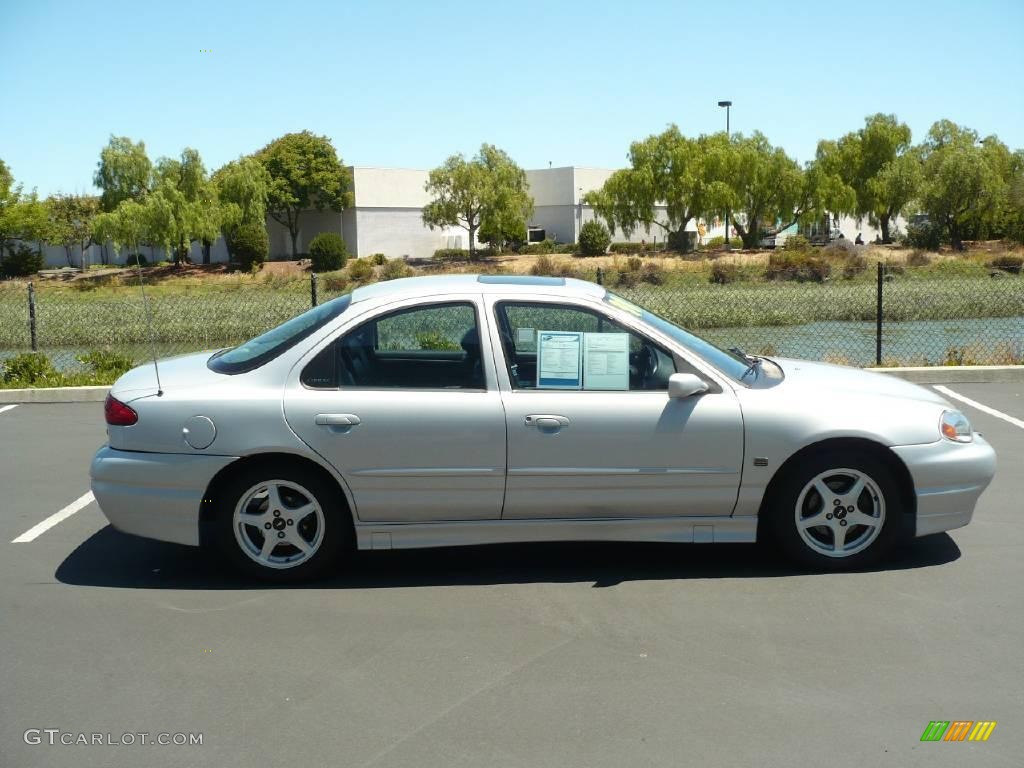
column 7, row 407
column 37, row 530
column 980, row 406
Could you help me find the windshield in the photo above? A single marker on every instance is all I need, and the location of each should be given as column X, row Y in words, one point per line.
column 731, row 364
column 265, row 347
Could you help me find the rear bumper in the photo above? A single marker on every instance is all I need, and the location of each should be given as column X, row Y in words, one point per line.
column 156, row 495
column 948, row 479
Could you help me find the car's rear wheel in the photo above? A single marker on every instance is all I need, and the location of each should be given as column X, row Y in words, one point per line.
column 837, row 512
column 282, row 525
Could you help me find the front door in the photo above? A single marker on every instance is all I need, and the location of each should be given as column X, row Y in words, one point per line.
column 406, row 408
column 621, row 450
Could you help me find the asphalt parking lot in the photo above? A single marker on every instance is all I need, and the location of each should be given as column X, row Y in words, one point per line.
column 553, row 655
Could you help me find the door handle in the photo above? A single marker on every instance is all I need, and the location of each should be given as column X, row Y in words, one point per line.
column 546, row 421
column 336, row 419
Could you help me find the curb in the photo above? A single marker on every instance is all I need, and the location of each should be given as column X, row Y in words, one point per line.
column 958, row 374
column 934, row 374
column 55, row 395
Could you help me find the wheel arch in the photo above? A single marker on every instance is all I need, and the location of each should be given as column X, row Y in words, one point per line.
column 854, row 445
column 208, row 508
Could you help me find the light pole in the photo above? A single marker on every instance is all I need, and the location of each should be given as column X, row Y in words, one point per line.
column 726, row 104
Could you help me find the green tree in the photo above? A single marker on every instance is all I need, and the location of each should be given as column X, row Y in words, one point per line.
column 182, row 206
column 22, row 216
column 962, row 183
column 123, row 172
column 71, row 219
column 487, row 194
column 877, row 163
column 768, row 188
column 242, row 186
column 687, row 177
column 305, row 173
column 126, row 227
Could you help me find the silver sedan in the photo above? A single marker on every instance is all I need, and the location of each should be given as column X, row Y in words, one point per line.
column 455, row 410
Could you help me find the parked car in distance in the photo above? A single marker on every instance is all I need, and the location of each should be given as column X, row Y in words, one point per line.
column 463, row 409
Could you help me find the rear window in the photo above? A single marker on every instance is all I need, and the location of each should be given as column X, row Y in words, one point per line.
column 265, row 347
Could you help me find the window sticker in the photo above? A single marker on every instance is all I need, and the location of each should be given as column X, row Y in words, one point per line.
column 606, row 361
column 525, row 335
column 559, row 357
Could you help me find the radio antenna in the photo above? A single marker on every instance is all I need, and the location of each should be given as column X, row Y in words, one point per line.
column 149, row 323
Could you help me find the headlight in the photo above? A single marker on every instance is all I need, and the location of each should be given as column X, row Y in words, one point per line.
column 954, row 426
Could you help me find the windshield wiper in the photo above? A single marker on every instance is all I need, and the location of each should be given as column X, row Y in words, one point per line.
column 753, row 362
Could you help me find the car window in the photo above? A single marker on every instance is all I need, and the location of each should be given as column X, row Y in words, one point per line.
column 265, row 347
column 543, row 342
column 434, row 346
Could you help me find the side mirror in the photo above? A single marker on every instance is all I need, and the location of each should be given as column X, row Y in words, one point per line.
column 683, row 385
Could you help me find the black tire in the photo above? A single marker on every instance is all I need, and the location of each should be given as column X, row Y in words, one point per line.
column 781, row 511
column 336, row 538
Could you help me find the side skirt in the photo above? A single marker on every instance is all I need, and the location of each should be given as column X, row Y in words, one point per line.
column 684, row 530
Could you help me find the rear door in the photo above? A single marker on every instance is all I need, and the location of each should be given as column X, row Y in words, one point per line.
column 406, row 407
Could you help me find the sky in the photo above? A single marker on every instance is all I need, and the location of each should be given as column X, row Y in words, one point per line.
column 405, row 84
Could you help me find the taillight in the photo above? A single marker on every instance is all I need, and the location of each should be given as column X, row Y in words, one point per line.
column 118, row 414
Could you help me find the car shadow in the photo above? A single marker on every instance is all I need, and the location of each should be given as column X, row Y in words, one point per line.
column 113, row 559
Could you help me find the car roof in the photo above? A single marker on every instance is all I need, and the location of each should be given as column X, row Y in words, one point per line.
column 476, row 284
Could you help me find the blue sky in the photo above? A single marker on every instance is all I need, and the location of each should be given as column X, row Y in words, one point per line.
column 404, row 84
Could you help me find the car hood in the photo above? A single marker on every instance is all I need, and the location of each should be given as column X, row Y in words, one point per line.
column 825, row 378
column 176, row 373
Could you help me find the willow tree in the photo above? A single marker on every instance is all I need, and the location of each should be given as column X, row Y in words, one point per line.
column 243, row 188
column 671, row 180
column 487, row 193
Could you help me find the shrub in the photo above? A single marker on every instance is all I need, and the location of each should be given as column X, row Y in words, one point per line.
column 435, row 340
column 924, row 234
column 634, row 263
column 251, row 245
column 594, row 238
column 451, row 254
column 839, row 249
column 1008, row 263
column 624, row 279
column 136, row 260
column 797, row 243
column 336, row 281
column 360, row 269
column 854, row 265
column 394, row 269
column 107, row 363
column 29, row 368
column 543, row 247
column 327, row 252
column 627, row 247
column 569, row 248
column 724, row 273
column 652, row 273
column 918, row 259
column 715, row 242
column 799, row 266
column 21, row 261
column 544, row 265
column 377, row 259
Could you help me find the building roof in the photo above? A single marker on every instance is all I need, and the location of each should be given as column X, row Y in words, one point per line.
column 476, row 284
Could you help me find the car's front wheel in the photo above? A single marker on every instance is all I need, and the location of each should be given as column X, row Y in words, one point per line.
column 837, row 512
column 281, row 525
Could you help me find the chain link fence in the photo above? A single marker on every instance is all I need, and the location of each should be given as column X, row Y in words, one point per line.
column 889, row 316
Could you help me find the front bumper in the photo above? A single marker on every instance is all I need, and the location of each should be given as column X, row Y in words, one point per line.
column 948, row 479
column 156, row 495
